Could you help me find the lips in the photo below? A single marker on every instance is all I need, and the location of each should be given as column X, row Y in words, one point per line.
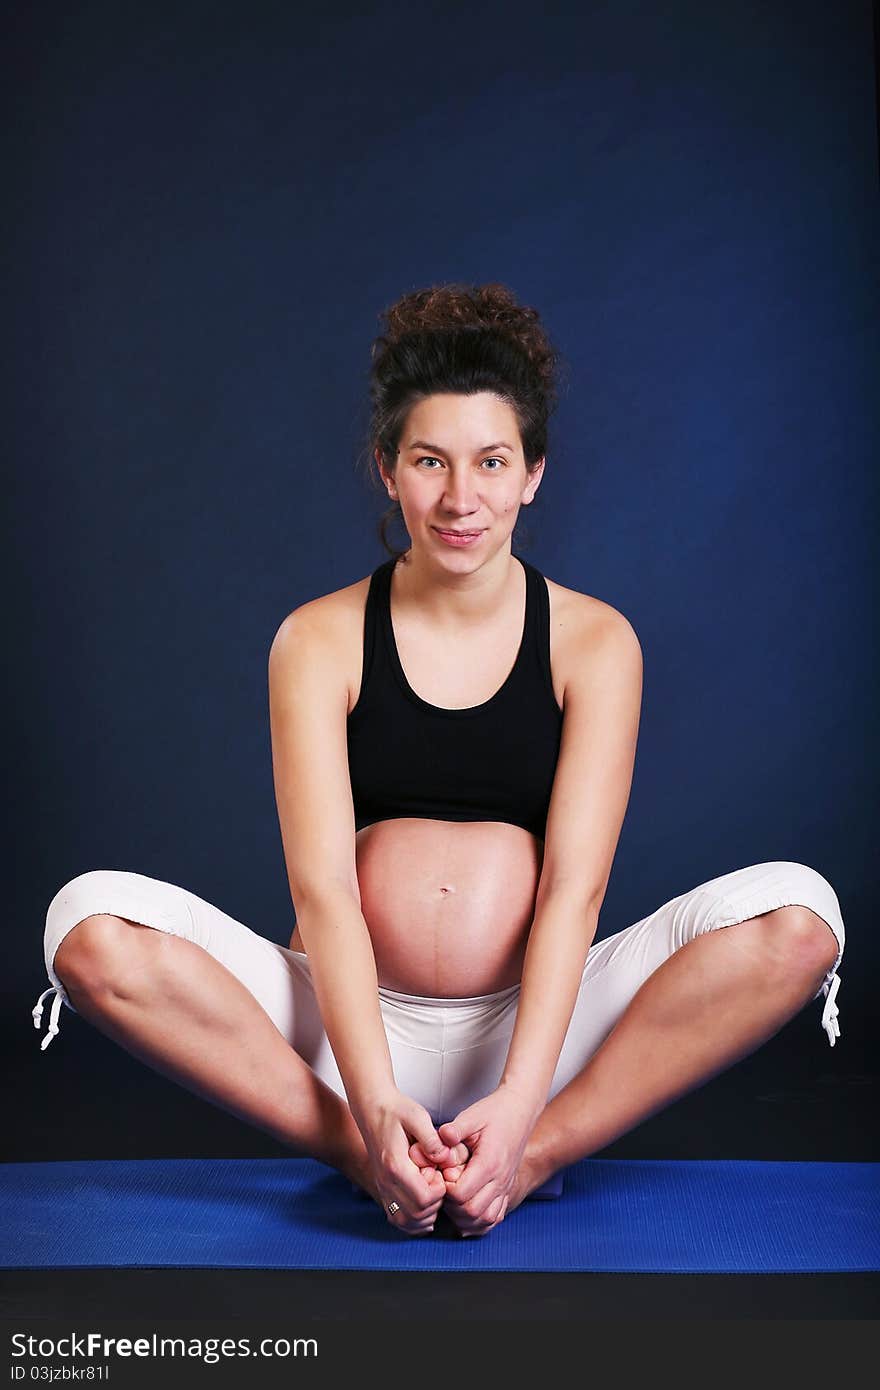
column 445, row 531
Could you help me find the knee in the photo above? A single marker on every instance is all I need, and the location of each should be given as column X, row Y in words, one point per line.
column 802, row 933
column 92, row 951
column 83, row 941
column 805, row 924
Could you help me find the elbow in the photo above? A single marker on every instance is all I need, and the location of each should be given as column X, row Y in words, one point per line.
column 576, row 898
column 317, row 899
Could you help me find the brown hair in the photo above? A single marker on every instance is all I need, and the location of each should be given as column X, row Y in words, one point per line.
column 459, row 339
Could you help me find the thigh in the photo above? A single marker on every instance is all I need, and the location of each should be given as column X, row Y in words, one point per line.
column 618, row 966
column 275, row 976
column 278, row 978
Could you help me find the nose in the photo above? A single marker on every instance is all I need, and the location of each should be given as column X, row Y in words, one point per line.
column 460, row 495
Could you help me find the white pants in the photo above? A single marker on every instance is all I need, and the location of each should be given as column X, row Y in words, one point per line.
column 446, row 1053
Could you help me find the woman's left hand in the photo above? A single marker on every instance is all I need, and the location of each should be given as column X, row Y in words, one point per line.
column 495, row 1131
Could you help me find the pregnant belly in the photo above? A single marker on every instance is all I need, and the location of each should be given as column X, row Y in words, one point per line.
column 448, row 904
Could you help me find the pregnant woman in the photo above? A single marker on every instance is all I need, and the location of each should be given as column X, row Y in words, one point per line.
column 453, row 739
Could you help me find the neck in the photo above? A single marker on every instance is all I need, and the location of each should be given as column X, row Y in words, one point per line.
column 446, row 598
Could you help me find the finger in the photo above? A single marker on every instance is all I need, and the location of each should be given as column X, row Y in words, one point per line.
column 419, row 1157
column 477, row 1206
column 414, row 1194
column 411, row 1223
column 478, row 1173
column 425, row 1200
column 456, row 1153
column 450, row 1133
column 428, row 1198
column 462, row 1130
column 457, row 1163
column 434, row 1149
column 427, row 1170
column 491, row 1218
column 410, row 1228
column 495, row 1211
column 438, row 1193
column 424, row 1229
column 417, row 1182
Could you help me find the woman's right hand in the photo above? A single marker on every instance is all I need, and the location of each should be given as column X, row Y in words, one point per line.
column 389, row 1126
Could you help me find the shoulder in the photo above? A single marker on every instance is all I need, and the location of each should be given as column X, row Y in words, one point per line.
column 325, row 615
column 331, row 624
column 583, row 614
column 588, row 634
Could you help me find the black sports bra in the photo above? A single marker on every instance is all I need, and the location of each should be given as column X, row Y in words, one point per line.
column 495, row 761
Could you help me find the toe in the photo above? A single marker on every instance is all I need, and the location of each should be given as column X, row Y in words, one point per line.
column 453, row 1173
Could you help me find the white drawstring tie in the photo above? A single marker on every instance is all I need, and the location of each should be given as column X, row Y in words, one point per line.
column 37, row 1012
column 830, row 1011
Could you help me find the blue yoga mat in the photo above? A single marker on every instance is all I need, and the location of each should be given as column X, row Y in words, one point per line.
column 623, row 1215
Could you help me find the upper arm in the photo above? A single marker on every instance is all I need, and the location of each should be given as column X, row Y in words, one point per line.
column 308, row 700
column 591, row 786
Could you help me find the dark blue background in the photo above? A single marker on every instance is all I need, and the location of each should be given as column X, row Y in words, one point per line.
column 210, row 206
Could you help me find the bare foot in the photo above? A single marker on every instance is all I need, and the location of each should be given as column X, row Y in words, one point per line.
column 361, row 1172
column 528, row 1177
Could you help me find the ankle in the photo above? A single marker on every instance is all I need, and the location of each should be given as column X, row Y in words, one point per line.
column 349, row 1153
column 324, row 1128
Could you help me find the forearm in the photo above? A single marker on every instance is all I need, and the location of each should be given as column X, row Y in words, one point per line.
column 559, row 940
column 343, row 968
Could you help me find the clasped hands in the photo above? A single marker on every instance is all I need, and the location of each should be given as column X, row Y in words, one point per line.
column 468, row 1165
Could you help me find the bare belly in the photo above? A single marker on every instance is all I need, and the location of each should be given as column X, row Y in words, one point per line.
column 448, row 904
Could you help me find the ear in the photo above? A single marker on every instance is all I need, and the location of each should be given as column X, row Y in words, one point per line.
column 387, row 478
column 534, row 482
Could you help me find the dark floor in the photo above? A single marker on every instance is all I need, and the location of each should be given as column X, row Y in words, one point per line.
column 795, row 1099
column 316, row 1295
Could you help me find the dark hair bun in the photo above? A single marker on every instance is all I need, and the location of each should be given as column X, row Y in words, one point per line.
column 455, row 306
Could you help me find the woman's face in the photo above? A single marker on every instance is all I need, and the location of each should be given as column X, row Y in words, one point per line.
column 460, row 467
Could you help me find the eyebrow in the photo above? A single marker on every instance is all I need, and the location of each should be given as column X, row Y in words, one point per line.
column 423, row 444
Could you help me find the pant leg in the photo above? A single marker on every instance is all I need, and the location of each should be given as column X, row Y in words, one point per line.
column 279, row 979
column 618, row 966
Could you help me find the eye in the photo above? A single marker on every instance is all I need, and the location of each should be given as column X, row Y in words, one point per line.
column 429, row 458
